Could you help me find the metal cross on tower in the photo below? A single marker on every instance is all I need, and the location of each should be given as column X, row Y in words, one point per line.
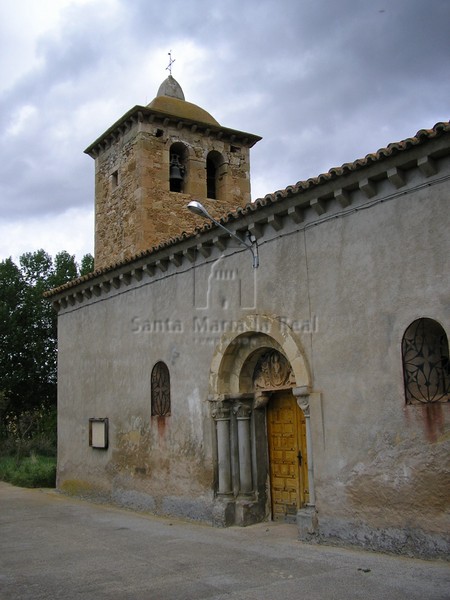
column 169, row 67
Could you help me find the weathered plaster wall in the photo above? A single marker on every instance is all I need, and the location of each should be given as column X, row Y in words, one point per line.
column 345, row 287
column 384, row 465
column 151, row 462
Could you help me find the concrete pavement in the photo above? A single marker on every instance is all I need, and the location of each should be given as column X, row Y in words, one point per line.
column 55, row 547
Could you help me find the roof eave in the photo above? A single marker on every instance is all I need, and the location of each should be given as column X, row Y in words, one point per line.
column 142, row 113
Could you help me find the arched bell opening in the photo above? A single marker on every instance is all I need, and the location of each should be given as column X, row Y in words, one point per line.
column 178, row 167
column 215, row 175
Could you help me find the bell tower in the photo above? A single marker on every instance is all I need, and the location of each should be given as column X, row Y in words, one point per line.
column 152, row 162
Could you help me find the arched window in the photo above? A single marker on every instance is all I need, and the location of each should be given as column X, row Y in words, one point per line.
column 426, row 363
column 160, row 390
column 177, row 167
column 214, row 174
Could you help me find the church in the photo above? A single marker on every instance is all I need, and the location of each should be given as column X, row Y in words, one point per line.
column 285, row 359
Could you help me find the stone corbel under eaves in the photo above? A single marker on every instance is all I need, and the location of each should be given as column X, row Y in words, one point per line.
column 427, row 166
column 221, row 242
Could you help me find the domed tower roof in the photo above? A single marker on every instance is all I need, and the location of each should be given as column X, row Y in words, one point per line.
column 170, row 100
column 170, row 87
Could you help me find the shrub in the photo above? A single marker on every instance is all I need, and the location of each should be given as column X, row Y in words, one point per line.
column 33, row 471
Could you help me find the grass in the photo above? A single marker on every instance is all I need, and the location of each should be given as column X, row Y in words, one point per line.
column 31, row 472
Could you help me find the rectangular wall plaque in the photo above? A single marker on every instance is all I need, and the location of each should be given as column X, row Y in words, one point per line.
column 98, row 433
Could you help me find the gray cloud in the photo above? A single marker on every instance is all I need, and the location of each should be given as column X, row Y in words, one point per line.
column 323, row 82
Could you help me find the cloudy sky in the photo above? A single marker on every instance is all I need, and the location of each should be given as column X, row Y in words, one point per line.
column 323, row 81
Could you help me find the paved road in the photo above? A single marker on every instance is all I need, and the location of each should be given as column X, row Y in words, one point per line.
column 55, row 547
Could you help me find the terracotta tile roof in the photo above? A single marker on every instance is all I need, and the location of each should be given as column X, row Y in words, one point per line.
column 422, row 136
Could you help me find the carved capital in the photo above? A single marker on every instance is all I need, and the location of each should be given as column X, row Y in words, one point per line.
column 302, row 395
column 220, row 411
column 303, row 403
column 242, row 411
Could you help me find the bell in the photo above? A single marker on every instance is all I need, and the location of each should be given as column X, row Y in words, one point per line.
column 176, row 173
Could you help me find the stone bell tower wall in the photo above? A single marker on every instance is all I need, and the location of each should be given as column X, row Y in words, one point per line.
column 134, row 207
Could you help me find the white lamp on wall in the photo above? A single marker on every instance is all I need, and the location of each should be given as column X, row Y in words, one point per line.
column 198, row 209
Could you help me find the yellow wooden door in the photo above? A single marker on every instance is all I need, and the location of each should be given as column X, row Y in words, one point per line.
column 287, row 456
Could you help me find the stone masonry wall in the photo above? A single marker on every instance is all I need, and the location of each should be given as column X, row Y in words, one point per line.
column 135, row 209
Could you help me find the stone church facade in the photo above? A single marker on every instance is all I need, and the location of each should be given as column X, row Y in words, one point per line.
column 313, row 389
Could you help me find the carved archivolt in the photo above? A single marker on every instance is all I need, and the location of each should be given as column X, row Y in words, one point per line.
column 272, row 372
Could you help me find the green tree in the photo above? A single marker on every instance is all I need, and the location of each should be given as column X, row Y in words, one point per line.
column 15, row 325
column 87, row 264
column 28, row 340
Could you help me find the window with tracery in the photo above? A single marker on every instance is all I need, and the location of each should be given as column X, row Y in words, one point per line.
column 426, row 368
column 160, row 394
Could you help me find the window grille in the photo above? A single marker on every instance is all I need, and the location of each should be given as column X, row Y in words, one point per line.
column 160, row 382
column 426, row 363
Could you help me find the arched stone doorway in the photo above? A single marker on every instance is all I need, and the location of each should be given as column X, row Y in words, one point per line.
column 259, row 383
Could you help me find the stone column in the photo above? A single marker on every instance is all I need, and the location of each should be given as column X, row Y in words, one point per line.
column 302, row 395
column 221, row 415
column 243, row 412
